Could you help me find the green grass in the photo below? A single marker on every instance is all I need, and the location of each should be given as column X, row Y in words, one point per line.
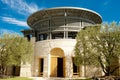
column 17, row 78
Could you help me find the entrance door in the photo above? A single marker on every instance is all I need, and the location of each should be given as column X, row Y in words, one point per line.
column 53, row 67
column 60, row 67
column 57, row 68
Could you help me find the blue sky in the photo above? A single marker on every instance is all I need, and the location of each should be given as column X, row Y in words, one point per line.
column 14, row 13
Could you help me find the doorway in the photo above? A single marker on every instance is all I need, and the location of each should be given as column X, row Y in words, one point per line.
column 60, row 67
column 57, row 65
column 41, row 66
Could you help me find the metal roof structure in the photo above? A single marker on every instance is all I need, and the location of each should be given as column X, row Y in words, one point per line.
column 62, row 12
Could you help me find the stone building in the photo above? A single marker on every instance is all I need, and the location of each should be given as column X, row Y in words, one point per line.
column 53, row 33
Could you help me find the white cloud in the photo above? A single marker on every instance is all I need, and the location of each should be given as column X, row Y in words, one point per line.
column 15, row 21
column 21, row 6
column 107, row 2
column 105, row 22
column 6, row 31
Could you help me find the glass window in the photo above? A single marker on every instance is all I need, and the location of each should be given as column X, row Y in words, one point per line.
column 73, row 22
column 41, row 65
column 75, row 68
column 42, row 37
column 29, row 37
column 72, row 35
column 58, row 35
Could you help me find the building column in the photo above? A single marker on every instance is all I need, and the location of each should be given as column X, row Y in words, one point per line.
column 69, row 67
column 46, row 67
column 36, row 74
column 25, row 70
column 49, row 62
column 34, row 68
column 83, row 71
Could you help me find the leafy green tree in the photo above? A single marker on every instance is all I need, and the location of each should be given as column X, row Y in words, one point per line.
column 99, row 46
column 13, row 50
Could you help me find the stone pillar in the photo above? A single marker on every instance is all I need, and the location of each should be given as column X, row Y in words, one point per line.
column 25, row 70
column 83, row 71
column 34, row 58
column 49, row 62
column 69, row 67
column 45, row 71
column 28, row 69
column 35, row 67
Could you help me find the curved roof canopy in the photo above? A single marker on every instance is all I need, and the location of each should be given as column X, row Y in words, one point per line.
column 64, row 11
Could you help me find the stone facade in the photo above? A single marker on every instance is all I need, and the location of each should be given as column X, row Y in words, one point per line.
column 53, row 36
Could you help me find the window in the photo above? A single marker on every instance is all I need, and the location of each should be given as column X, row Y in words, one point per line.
column 29, row 37
column 75, row 68
column 72, row 35
column 58, row 35
column 41, row 65
column 42, row 37
column 73, row 22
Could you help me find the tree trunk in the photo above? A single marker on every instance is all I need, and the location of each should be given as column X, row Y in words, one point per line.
column 3, row 70
column 107, row 74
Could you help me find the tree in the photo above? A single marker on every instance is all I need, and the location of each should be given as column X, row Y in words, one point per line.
column 99, row 46
column 13, row 50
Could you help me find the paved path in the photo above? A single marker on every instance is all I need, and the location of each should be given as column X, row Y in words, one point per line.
column 54, row 78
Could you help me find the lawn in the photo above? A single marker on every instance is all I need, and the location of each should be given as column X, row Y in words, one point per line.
column 17, row 78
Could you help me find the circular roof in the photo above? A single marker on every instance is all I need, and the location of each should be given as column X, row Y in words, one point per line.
column 64, row 11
